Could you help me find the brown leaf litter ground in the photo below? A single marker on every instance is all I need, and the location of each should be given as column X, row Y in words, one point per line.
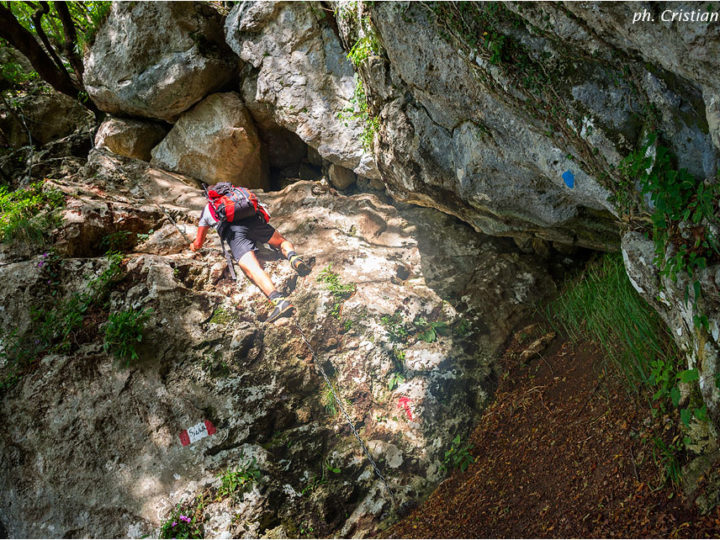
column 563, row 451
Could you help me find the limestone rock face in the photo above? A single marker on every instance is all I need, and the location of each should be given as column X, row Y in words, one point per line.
column 701, row 346
column 409, row 350
column 520, row 147
column 157, row 59
column 300, row 78
column 690, row 48
column 674, row 73
column 129, row 138
column 216, row 141
column 49, row 115
column 87, row 223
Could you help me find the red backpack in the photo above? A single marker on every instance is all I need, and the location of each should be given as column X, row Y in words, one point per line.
column 230, row 204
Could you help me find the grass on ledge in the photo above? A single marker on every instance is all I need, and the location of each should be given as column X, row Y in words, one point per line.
column 601, row 305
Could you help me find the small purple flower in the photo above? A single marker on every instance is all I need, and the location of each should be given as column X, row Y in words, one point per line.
column 40, row 264
column 185, row 519
column 174, row 523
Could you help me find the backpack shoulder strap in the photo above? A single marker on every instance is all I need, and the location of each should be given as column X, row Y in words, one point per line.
column 211, row 209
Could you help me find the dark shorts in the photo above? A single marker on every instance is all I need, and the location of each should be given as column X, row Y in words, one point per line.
column 243, row 236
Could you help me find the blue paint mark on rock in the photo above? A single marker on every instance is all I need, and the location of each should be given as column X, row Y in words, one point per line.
column 569, row 178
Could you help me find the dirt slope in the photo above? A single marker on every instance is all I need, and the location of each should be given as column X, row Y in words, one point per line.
column 564, row 451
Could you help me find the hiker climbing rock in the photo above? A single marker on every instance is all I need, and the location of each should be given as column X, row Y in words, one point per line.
column 241, row 221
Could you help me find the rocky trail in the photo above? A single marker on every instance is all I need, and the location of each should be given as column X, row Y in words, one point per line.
column 405, row 309
column 564, row 451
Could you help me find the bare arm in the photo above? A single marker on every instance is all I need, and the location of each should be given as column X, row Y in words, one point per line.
column 199, row 238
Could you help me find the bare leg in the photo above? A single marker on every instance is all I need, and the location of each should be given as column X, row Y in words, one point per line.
column 251, row 266
column 278, row 241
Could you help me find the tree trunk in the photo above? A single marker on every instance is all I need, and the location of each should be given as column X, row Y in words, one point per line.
column 37, row 16
column 70, row 40
column 20, row 38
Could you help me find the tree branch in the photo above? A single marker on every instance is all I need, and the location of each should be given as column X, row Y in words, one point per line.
column 70, row 39
column 21, row 39
column 37, row 15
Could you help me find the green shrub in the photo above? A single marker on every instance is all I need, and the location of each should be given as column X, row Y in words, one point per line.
column 669, row 458
column 358, row 111
column 221, row 316
column 28, row 214
column 118, row 241
column 97, row 13
column 364, row 48
column 123, row 331
column 395, row 327
column 58, row 325
column 429, row 331
column 458, row 456
column 685, row 209
column 340, row 291
column 328, row 400
column 14, row 73
column 54, row 328
column 396, row 379
column 241, row 478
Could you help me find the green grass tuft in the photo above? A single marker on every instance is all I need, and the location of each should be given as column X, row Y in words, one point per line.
column 29, row 214
column 602, row 306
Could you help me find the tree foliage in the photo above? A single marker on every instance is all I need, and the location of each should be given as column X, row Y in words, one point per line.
column 52, row 35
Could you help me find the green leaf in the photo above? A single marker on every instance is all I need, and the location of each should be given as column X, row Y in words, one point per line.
column 675, row 396
column 696, row 288
column 428, row 335
column 685, row 416
column 688, row 375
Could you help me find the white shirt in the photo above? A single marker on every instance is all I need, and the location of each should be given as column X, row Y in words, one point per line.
column 206, row 219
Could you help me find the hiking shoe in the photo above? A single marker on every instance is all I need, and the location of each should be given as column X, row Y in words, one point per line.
column 299, row 265
column 282, row 307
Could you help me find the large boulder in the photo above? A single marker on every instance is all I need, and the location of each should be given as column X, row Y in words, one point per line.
column 340, row 177
column 129, row 138
column 216, row 141
column 300, row 78
column 157, row 59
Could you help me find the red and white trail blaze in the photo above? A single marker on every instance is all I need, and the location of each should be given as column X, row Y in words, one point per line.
column 196, row 432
